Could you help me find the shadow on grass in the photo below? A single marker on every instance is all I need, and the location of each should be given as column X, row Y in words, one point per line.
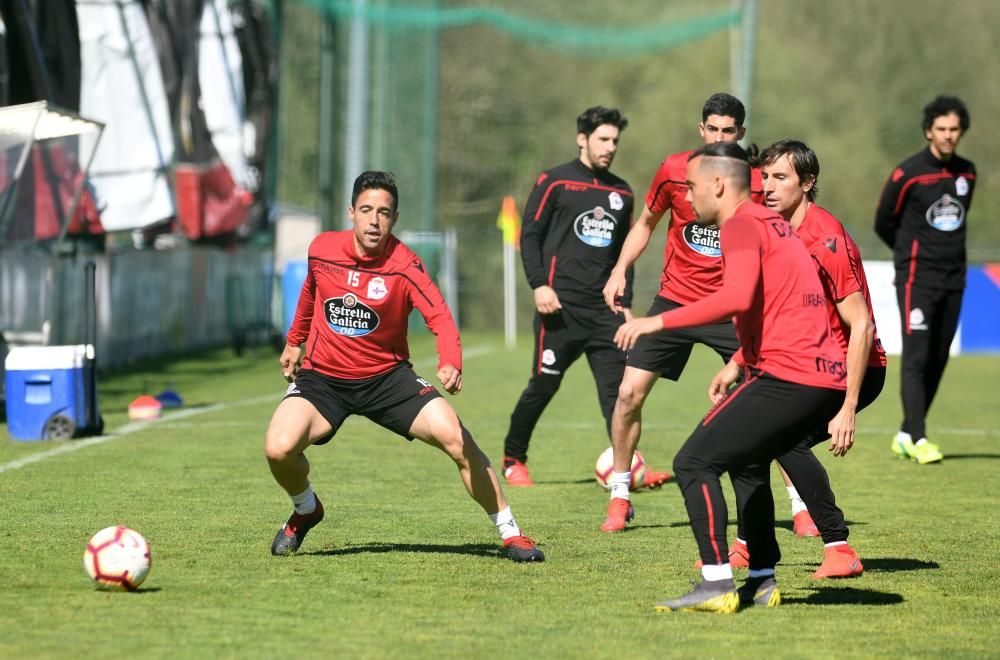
column 790, row 525
column 477, row 549
column 894, row 564
column 959, row 457
column 843, row 596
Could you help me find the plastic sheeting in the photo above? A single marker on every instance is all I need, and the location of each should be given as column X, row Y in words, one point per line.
column 122, row 87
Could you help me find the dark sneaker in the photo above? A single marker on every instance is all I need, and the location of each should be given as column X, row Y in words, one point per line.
column 290, row 536
column 620, row 511
column 760, row 591
column 707, row 596
column 522, row 548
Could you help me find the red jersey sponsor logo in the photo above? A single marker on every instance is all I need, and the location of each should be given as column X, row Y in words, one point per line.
column 831, row 244
column 349, row 317
column 703, row 239
column 897, row 174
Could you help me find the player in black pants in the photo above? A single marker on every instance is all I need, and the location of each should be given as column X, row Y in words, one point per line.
column 921, row 216
column 575, row 222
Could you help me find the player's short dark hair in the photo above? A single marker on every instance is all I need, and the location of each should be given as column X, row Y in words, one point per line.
column 729, row 159
column 372, row 180
column 591, row 118
column 945, row 105
column 803, row 159
column 724, row 105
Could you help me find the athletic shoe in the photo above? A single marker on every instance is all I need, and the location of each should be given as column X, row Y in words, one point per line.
column 840, row 562
column 290, row 536
column 803, row 524
column 739, row 556
column 522, row 548
column 760, row 591
column 901, row 445
column 925, row 452
column 620, row 511
column 654, row 479
column 707, row 596
column 516, row 473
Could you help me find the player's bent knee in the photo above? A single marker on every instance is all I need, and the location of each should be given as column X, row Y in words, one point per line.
column 280, row 446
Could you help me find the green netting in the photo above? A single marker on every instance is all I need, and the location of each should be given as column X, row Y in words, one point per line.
column 583, row 40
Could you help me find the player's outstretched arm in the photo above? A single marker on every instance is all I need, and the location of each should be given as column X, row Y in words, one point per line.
column 451, row 378
column 635, row 243
column 289, row 362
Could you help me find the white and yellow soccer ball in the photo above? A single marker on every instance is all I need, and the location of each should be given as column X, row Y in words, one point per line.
column 117, row 558
column 606, row 466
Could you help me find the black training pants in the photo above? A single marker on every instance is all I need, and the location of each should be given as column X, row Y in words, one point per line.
column 560, row 339
column 760, row 420
column 929, row 319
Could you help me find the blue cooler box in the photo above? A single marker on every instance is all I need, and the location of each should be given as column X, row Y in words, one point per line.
column 291, row 286
column 49, row 391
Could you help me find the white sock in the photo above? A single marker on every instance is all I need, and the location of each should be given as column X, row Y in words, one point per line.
column 835, row 543
column 305, row 502
column 904, row 437
column 921, row 441
column 761, row 572
column 620, row 482
column 504, row 520
column 797, row 504
column 713, row 572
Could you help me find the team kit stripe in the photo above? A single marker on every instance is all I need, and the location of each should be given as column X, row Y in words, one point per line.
column 563, row 182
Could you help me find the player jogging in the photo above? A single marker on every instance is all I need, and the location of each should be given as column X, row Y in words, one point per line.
column 352, row 315
column 794, row 374
column 575, row 222
column 692, row 269
column 921, row 216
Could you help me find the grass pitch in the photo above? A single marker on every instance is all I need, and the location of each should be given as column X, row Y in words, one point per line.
column 406, row 565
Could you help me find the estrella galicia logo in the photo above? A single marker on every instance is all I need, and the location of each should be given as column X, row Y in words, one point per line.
column 596, row 227
column 946, row 214
column 703, row 239
column 350, row 317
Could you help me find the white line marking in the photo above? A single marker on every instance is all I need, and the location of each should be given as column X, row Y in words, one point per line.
column 134, row 427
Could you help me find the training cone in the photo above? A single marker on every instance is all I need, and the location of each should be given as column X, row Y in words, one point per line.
column 144, row 407
column 170, row 399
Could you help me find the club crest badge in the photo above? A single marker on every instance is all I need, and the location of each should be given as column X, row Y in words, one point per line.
column 617, row 203
column 961, row 186
column 377, row 289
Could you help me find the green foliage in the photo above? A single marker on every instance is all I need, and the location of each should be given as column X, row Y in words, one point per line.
column 405, row 565
column 848, row 77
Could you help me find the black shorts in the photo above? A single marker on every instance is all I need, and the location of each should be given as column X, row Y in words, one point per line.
column 391, row 400
column 667, row 352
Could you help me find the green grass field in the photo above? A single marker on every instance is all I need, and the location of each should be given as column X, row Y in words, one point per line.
column 405, row 564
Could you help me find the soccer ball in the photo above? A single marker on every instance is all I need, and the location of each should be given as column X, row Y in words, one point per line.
column 117, row 558
column 606, row 466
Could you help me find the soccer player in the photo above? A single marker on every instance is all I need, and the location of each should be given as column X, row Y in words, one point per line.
column 352, row 315
column 794, row 374
column 692, row 269
column 575, row 222
column 921, row 216
column 790, row 173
